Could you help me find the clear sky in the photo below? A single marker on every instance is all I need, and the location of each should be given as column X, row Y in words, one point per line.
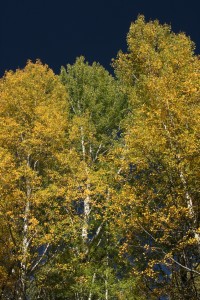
column 57, row 31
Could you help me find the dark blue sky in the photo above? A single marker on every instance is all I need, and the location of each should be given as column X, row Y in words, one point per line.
column 57, row 31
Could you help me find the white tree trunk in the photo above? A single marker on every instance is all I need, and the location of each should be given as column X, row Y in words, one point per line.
column 188, row 198
column 93, row 279
column 86, row 203
column 25, row 240
column 190, row 208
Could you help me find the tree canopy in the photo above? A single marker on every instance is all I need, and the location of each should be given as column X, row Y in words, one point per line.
column 99, row 175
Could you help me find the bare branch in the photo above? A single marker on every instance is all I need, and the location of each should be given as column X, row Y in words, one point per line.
column 38, row 262
column 97, row 153
column 97, row 232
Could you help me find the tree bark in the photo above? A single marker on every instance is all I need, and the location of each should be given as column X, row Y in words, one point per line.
column 25, row 241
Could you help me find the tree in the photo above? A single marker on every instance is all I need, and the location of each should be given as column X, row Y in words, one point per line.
column 97, row 105
column 159, row 159
column 33, row 121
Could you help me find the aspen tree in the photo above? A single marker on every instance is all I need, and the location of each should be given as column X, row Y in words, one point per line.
column 160, row 162
column 97, row 105
column 33, row 122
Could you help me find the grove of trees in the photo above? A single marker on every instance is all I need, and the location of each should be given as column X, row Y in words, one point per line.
column 99, row 175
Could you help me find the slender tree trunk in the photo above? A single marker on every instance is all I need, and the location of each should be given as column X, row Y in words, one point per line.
column 25, row 241
column 24, row 250
column 106, row 286
column 188, row 197
column 190, row 208
column 86, row 218
column 93, row 279
column 87, row 198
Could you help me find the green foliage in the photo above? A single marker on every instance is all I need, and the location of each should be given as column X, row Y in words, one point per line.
column 95, row 95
